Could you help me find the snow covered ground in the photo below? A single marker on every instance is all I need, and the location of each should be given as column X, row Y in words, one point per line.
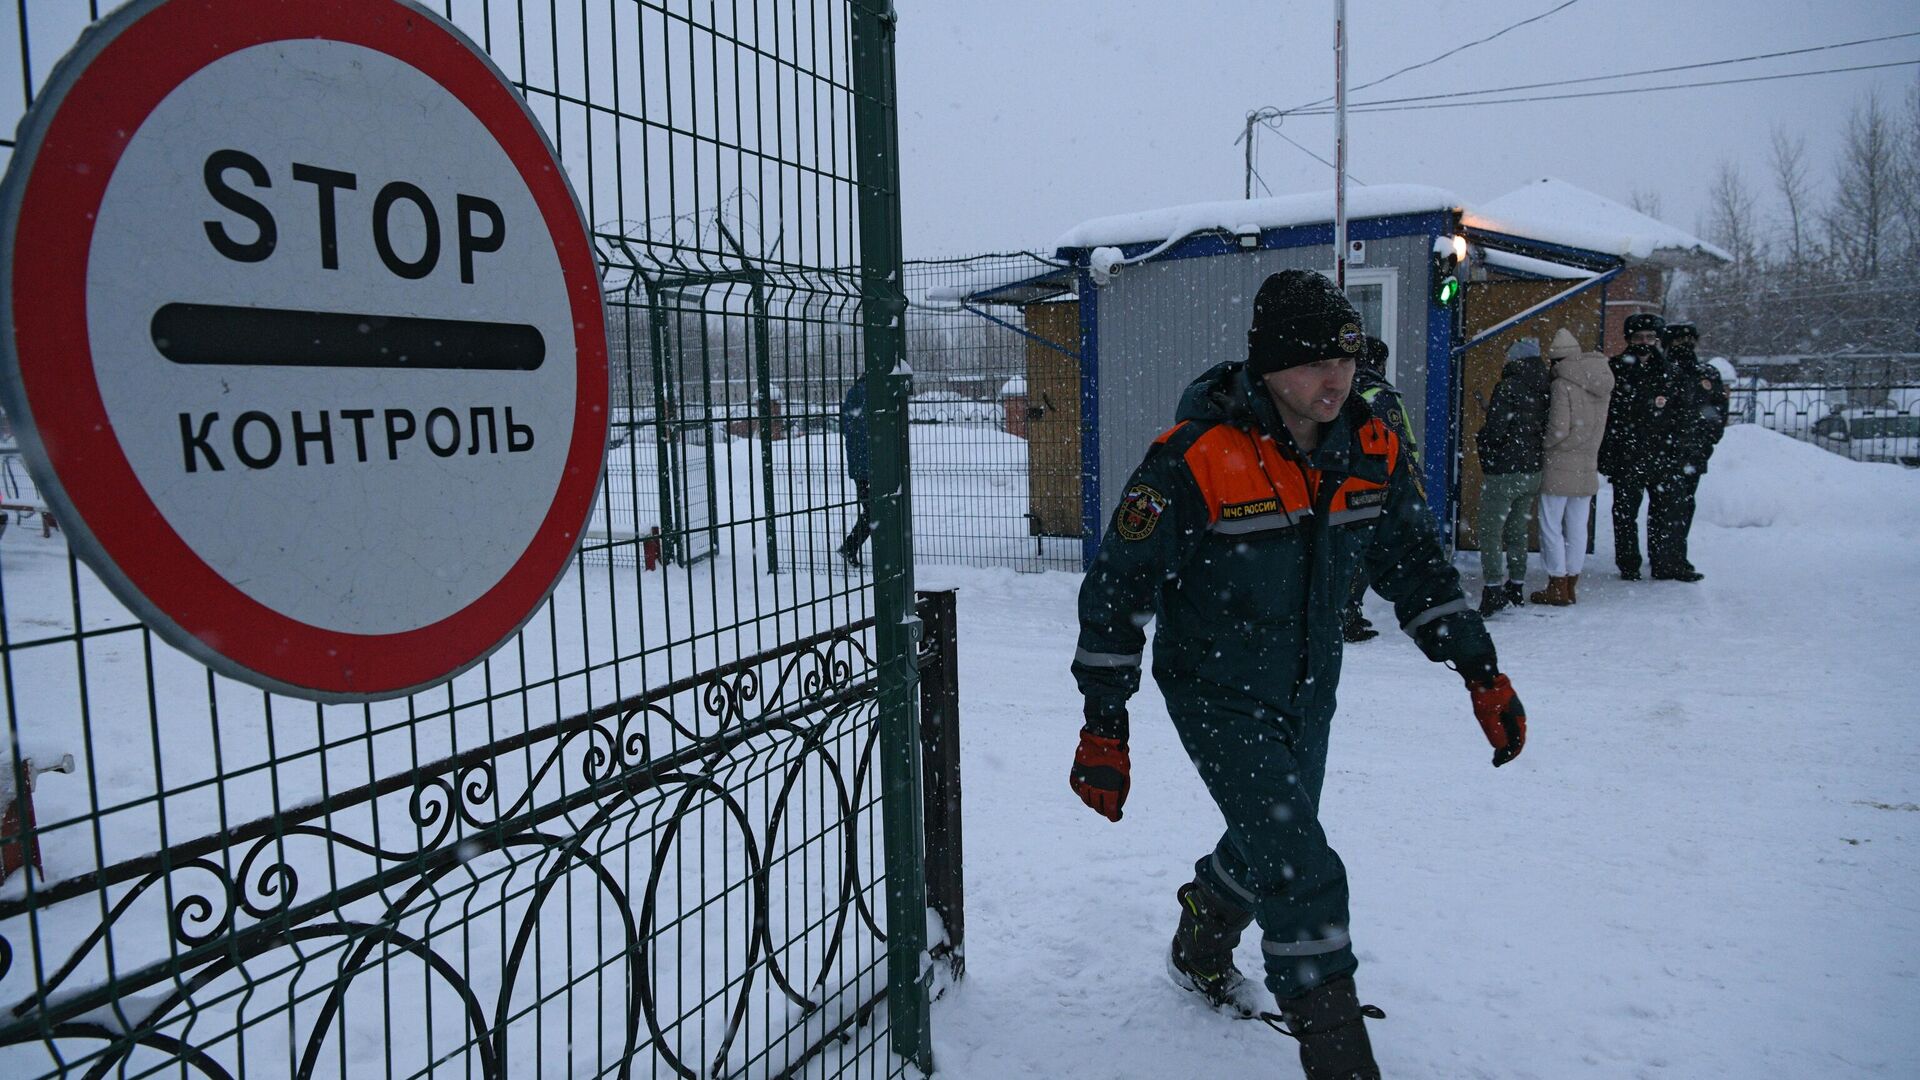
column 1706, row 864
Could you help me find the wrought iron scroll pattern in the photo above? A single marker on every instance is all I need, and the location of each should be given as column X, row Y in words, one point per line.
column 596, row 802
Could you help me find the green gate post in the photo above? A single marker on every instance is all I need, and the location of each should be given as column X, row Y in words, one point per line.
column 761, row 365
column 883, row 309
column 663, row 406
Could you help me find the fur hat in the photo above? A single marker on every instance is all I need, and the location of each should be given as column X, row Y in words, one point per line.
column 1640, row 322
column 1300, row 317
column 1524, row 349
column 1565, row 346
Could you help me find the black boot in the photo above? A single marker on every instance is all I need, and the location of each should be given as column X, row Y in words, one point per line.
column 1331, row 1025
column 1493, row 598
column 1202, row 956
column 850, row 550
column 1516, row 594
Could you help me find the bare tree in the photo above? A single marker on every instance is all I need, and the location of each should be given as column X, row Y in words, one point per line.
column 1731, row 217
column 1645, row 200
column 1907, row 177
column 1794, row 186
column 1861, row 221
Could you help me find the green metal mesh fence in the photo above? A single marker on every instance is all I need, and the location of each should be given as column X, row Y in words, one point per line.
column 643, row 838
column 994, row 416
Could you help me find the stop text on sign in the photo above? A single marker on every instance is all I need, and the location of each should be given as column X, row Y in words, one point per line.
column 470, row 213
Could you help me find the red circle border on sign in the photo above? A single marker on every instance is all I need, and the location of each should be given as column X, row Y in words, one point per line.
column 82, row 145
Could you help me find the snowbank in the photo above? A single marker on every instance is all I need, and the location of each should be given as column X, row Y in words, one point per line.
column 1761, row 478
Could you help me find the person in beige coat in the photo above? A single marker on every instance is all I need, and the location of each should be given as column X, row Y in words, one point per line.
column 1570, row 476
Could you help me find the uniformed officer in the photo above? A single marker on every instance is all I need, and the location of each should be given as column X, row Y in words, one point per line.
column 1383, row 400
column 1666, row 413
column 1697, row 409
column 1239, row 534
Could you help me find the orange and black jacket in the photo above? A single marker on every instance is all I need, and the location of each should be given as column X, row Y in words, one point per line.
column 1241, row 549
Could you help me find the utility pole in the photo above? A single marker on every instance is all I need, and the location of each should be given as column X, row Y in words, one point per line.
column 1254, row 119
column 1248, row 136
column 1340, row 144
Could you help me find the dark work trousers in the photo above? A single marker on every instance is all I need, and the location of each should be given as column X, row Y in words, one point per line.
column 1626, row 524
column 1264, row 771
column 1670, row 504
column 862, row 524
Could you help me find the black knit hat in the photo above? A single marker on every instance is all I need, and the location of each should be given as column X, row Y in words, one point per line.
column 1300, row 317
column 1374, row 357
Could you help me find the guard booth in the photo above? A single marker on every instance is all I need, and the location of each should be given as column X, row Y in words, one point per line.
column 1160, row 296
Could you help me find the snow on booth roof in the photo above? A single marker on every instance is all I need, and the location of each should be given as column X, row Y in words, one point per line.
column 1561, row 213
column 1172, row 223
column 1548, row 210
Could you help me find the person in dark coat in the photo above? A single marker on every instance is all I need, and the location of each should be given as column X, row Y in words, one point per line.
column 853, row 443
column 1664, row 419
column 1238, row 536
column 1383, row 400
column 1698, row 407
column 1510, row 444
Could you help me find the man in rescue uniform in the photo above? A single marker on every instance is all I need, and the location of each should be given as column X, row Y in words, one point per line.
column 1240, row 534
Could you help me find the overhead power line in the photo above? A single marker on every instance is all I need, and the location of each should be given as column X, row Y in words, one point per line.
column 1269, row 116
column 1450, row 52
column 1372, row 108
column 1621, row 75
column 1315, row 156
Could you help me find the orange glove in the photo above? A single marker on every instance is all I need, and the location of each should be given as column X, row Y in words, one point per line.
column 1101, row 773
column 1498, row 709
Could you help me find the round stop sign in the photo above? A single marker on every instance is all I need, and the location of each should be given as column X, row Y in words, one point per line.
column 303, row 337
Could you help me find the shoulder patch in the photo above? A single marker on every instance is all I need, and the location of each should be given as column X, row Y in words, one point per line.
column 1140, row 510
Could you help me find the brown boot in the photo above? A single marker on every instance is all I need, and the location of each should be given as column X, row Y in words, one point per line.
column 1572, row 589
column 1554, row 595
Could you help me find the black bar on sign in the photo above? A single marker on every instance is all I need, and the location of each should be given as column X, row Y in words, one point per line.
column 278, row 337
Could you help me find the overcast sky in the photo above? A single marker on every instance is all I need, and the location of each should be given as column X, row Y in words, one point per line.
column 1020, row 118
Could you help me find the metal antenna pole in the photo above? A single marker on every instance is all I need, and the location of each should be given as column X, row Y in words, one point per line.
column 1340, row 144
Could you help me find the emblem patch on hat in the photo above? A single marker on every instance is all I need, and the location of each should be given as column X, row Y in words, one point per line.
column 1140, row 510
column 1350, row 339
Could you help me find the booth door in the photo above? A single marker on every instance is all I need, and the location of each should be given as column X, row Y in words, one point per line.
column 1486, row 303
column 1053, row 427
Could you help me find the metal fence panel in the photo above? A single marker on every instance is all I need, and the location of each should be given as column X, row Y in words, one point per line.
column 646, row 836
column 994, row 417
column 1863, row 419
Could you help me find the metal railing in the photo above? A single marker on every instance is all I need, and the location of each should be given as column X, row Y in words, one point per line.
column 1864, row 421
